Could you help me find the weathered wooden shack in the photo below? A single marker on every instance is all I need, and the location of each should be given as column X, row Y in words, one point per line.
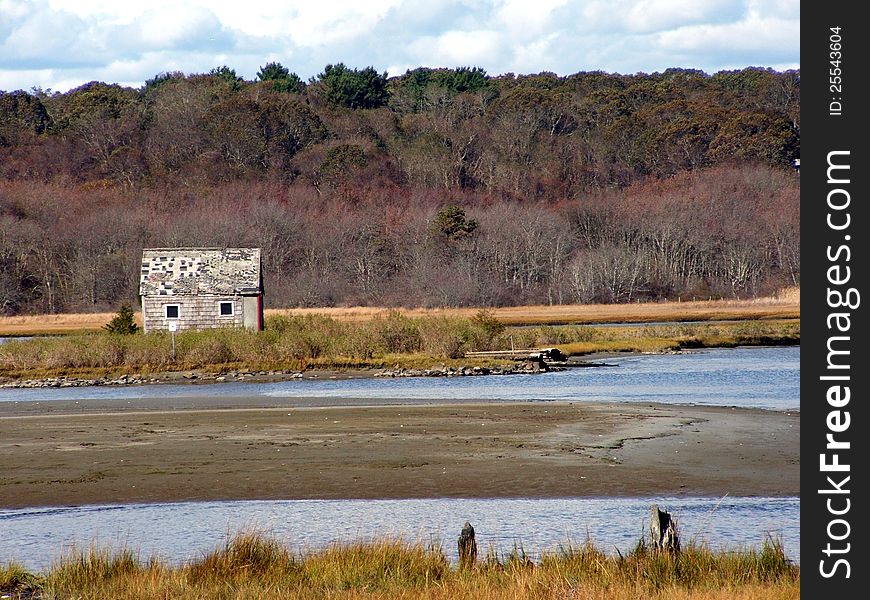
column 201, row 288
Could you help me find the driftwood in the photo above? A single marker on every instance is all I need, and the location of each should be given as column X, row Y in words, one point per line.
column 534, row 354
column 467, row 547
column 663, row 530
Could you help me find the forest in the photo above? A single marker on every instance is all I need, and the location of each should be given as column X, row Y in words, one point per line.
column 439, row 187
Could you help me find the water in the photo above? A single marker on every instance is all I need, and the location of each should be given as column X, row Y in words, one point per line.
column 748, row 377
column 185, row 531
column 744, row 377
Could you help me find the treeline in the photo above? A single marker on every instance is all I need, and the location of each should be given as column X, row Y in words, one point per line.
column 519, row 137
column 441, row 187
column 721, row 232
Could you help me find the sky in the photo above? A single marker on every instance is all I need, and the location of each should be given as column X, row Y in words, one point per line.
column 60, row 44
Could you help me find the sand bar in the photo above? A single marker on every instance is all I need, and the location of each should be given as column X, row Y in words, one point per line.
column 157, row 450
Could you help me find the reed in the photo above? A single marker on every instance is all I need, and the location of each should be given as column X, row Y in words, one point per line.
column 784, row 304
column 250, row 565
column 16, row 581
column 247, row 556
column 299, row 342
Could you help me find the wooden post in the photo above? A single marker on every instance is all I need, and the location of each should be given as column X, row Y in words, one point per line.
column 467, row 547
column 663, row 530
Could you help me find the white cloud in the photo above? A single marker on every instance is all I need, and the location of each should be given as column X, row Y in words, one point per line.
column 12, row 9
column 457, row 48
column 44, row 38
column 754, row 35
column 318, row 24
column 27, row 78
column 400, row 69
column 54, row 43
column 535, row 56
column 645, row 16
column 171, row 27
column 527, row 17
column 657, row 15
column 305, row 21
column 784, row 9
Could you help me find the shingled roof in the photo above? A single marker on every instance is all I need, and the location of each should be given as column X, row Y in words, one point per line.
column 195, row 271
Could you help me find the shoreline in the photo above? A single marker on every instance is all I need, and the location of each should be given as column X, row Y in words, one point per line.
column 452, row 450
column 209, row 377
column 645, row 498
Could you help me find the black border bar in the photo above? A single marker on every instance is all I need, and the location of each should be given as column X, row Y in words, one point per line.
column 834, row 171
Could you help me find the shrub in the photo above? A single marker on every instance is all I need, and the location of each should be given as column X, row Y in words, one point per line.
column 122, row 323
column 206, row 347
column 485, row 330
column 398, row 333
column 444, row 336
column 361, row 341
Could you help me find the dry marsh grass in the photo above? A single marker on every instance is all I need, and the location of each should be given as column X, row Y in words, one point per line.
column 301, row 342
column 251, row 565
column 767, row 308
column 25, row 325
column 785, row 304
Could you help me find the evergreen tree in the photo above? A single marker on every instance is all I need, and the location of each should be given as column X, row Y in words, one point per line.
column 273, row 70
column 123, row 322
column 353, row 88
column 452, row 224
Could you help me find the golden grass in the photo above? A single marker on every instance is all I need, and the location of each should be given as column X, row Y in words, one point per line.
column 789, row 295
column 677, row 336
column 709, row 310
column 785, row 304
column 650, row 345
column 251, row 565
column 26, row 325
column 298, row 343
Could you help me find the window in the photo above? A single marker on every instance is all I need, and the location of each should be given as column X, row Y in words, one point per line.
column 172, row 311
column 226, row 309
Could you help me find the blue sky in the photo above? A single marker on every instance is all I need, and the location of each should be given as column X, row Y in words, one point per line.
column 60, row 44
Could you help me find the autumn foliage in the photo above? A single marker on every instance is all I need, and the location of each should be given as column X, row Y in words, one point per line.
column 441, row 187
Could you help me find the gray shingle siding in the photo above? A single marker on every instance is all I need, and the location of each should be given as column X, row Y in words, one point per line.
column 194, row 312
column 198, row 280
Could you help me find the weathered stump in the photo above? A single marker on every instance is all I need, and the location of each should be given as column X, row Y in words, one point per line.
column 663, row 530
column 467, row 547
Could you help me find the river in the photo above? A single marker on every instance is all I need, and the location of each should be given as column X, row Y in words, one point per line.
column 765, row 378
column 185, row 531
column 744, row 377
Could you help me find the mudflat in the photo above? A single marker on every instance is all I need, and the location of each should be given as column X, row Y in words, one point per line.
column 92, row 453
